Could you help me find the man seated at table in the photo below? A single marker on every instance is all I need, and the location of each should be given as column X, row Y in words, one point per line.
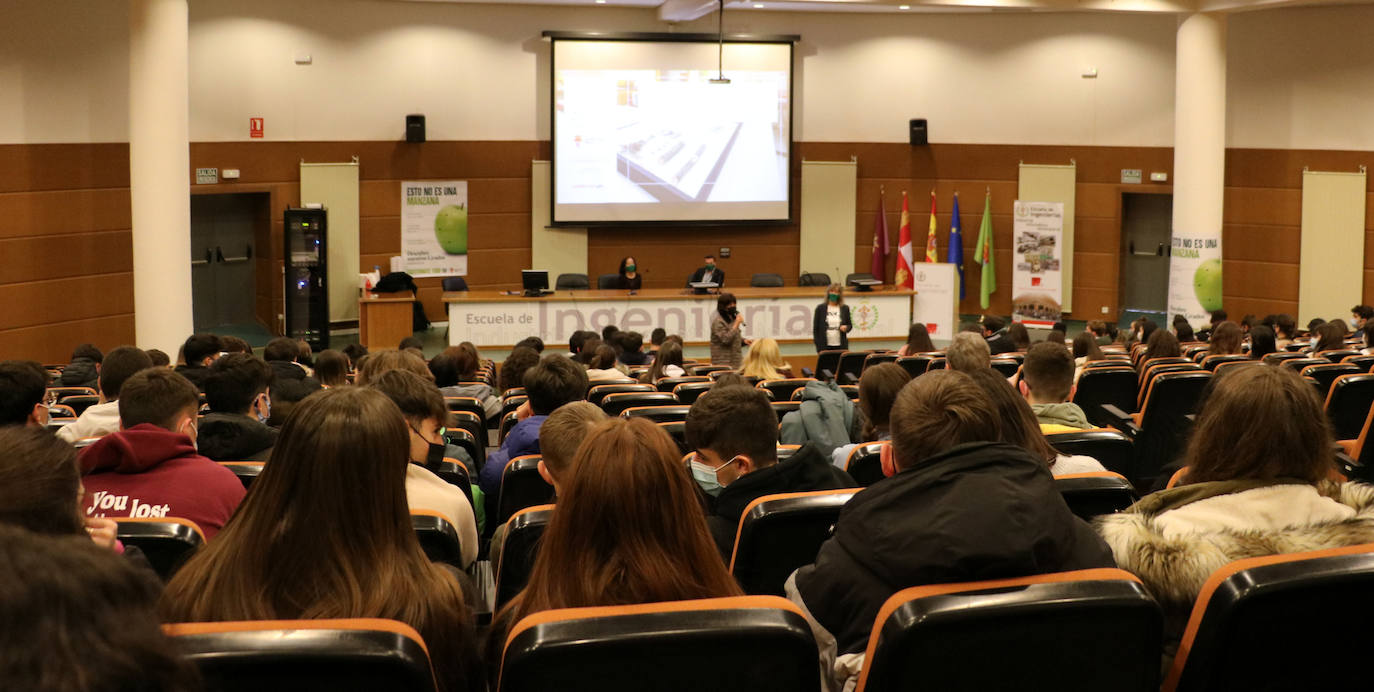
column 708, row 273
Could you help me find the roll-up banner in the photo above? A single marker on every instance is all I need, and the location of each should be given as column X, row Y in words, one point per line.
column 1195, row 274
column 434, row 227
column 1037, row 254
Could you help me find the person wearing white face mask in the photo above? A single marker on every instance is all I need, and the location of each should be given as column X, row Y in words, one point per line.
column 238, row 389
column 735, row 434
column 150, row 467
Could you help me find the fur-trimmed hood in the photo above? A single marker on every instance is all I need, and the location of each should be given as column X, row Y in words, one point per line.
column 1174, row 563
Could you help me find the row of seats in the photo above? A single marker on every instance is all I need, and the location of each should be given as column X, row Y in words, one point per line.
column 1085, row 630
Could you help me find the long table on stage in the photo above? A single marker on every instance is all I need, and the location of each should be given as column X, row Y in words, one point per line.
column 499, row 319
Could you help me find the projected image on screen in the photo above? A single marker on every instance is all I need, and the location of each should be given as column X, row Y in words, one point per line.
column 643, row 142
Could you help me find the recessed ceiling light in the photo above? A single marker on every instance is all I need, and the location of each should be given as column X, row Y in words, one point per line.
column 600, row 2
column 758, row 5
column 904, row 7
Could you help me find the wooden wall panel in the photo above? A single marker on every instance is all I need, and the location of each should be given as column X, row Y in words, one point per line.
column 67, row 300
column 60, row 212
column 53, row 342
column 80, row 254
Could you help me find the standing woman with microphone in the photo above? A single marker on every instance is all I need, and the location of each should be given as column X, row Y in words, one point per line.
column 727, row 341
column 830, row 328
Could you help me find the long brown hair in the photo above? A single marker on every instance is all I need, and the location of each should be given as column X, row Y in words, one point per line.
column 628, row 529
column 878, row 390
column 918, row 339
column 1161, row 344
column 1225, row 339
column 670, row 353
column 325, row 532
column 1018, row 423
column 1259, row 422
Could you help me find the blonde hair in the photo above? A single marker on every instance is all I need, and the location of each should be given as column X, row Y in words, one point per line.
column 764, row 360
column 563, row 432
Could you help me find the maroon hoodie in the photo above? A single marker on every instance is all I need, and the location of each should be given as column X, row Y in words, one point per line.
column 147, row 471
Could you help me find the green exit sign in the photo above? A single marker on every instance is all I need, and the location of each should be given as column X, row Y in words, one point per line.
column 207, row 176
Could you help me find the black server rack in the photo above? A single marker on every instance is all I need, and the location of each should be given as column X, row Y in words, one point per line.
column 307, row 291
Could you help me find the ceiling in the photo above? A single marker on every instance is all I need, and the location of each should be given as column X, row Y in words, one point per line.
column 687, row 10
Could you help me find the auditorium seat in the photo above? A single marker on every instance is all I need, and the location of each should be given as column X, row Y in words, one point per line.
column 614, row 404
column 783, row 389
column 467, row 403
column 878, row 359
column 658, row 414
column 1156, row 370
column 1363, row 362
column 914, row 365
column 937, row 363
column 1110, row 447
column 1335, row 355
column 454, row 283
column 689, row 392
column 1211, row 362
column 828, row 364
column 454, row 473
column 438, row 537
column 1097, row 386
column 1280, row 356
column 1006, row 367
column 61, row 411
column 779, row 533
column 1279, row 623
column 864, row 464
column 1094, row 629
column 1348, row 403
column 246, row 471
column 511, row 403
column 1228, row 365
column 1180, row 477
column 472, row 423
column 1159, row 430
column 78, row 403
column 738, row 644
column 519, row 547
column 668, row 384
column 1095, row 493
column 766, row 281
column 678, row 431
column 851, row 367
column 572, row 282
column 60, row 392
column 600, row 391
column 783, row 408
column 1326, row 373
column 608, row 282
column 1298, row 364
column 465, row 440
column 344, row 655
column 706, row 369
column 508, row 421
column 521, row 487
column 167, row 542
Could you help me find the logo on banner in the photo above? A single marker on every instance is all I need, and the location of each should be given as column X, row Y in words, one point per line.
column 866, row 316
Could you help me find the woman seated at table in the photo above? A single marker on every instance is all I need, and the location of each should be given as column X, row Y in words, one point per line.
column 629, row 275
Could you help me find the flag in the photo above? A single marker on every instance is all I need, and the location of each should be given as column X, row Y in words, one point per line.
column 984, row 255
column 904, row 279
column 881, row 245
column 956, row 245
column 931, row 255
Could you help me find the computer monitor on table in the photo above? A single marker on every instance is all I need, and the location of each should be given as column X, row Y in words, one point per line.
column 535, row 281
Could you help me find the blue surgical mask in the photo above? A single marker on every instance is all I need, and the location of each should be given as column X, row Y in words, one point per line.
column 706, row 476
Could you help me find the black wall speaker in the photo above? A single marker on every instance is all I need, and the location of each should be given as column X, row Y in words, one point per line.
column 918, row 132
column 415, row 128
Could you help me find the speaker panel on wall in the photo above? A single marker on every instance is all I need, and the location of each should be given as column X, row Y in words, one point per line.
column 415, row 128
column 918, row 132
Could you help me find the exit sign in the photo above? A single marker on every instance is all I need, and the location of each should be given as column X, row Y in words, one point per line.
column 1130, row 176
column 207, row 176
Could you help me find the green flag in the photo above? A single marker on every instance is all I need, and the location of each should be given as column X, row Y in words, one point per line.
column 984, row 255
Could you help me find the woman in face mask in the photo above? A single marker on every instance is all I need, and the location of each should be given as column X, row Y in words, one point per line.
column 727, row 339
column 630, row 279
column 831, row 326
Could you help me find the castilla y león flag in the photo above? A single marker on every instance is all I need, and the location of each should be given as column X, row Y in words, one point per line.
column 904, row 279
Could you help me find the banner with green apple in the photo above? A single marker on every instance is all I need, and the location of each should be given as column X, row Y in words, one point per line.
column 434, row 228
column 1195, row 276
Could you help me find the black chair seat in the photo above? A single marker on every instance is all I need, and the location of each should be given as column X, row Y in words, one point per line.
column 438, row 537
column 1090, row 495
column 658, row 414
column 779, row 533
column 615, row 404
column 519, row 548
column 167, row 542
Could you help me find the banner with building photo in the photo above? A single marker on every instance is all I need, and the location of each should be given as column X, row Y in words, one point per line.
column 1037, row 256
column 434, row 228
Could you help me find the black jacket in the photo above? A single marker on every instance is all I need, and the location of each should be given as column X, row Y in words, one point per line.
column 81, row 372
column 196, row 374
column 818, row 328
column 999, row 342
column 717, row 276
column 983, row 510
column 805, row 470
column 290, row 383
column 626, row 283
column 234, row 437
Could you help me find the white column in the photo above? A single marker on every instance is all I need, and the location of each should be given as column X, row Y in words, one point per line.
column 1199, row 165
column 159, row 172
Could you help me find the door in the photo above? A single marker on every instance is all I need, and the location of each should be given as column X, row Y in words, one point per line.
column 1146, row 222
column 223, row 275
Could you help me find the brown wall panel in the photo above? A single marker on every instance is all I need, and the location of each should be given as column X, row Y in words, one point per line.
column 66, row 300
column 1261, row 280
column 63, row 211
column 1281, row 244
column 37, row 167
column 53, row 343
column 81, row 254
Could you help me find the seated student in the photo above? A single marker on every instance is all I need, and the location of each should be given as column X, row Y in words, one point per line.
column 656, row 338
column 550, row 384
column 602, row 365
column 1020, row 336
column 995, row 333
column 1020, row 427
column 23, row 387
column 956, row 508
column 878, row 388
column 764, row 361
column 514, row 367
column 732, row 430
column 917, row 341
column 1359, row 319
column 1328, row 337
column 1183, row 330
column 1226, row 339
column 331, row 368
column 345, row 549
column 411, row 342
column 1047, row 383
column 198, row 352
column 632, row 345
column 103, row 418
column 1160, row 344
column 78, row 619
column 239, row 391
column 291, row 380
column 159, row 358
column 1257, row 484
column 384, row 361
column 455, row 373
column 1217, row 317
column 1262, row 341
column 578, row 340
column 559, row 437
column 84, row 368
column 968, row 352
column 667, row 363
column 355, row 353
column 423, row 408
column 1085, row 350
column 233, row 344
column 150, row 468
column 601, row 550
